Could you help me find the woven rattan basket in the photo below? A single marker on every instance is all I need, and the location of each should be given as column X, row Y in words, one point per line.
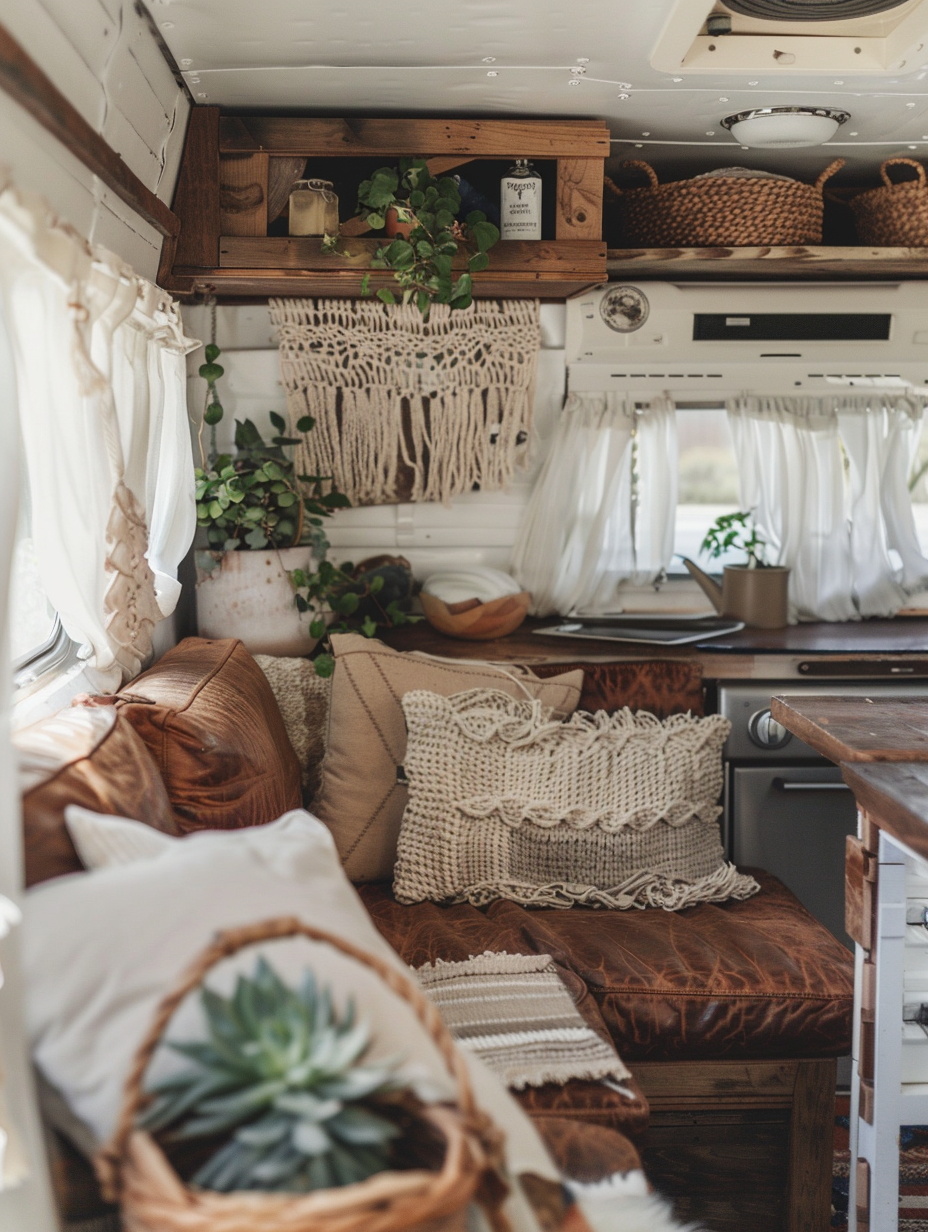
column 896, row 214
column 134, row 1170
column 720, row 211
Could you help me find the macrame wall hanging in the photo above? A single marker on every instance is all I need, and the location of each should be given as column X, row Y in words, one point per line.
column 408, row 410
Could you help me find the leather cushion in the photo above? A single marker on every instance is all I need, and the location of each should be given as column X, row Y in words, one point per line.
column 587, row 1154
column 661, row 686
column 87, row 755
column 209, row 718
column 426, row 931
column 736, row 980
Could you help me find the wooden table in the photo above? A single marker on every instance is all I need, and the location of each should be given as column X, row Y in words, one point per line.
column 882, row 747
column 858, row 728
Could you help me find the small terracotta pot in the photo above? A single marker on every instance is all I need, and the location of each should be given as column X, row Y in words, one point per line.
column 395, row 225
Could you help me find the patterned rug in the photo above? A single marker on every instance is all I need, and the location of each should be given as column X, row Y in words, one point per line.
column 913, row 1173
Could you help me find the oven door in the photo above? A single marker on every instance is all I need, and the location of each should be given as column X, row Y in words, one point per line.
column 792, row 821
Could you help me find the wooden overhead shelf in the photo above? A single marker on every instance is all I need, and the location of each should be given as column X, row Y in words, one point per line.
column 236, row 174
column 767, row 263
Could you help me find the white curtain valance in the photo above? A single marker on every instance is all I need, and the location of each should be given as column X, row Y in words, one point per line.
column 594, row 519
column 100, row 364
column 827, row 480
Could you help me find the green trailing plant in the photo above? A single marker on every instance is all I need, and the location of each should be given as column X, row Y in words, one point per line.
column 284, row 1076
column 362, row 602
column 422, row 265
column 736, row 530
column 254, row 500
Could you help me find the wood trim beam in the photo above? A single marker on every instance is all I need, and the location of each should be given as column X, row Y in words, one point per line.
column 25, row 82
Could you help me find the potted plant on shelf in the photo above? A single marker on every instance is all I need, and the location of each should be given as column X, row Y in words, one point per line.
column 755, row 592
column 419, row 213
column 263, row 575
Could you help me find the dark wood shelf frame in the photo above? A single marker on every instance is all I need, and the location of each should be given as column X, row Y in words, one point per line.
column 767, row 263
column 26, row 83
column 236, row 174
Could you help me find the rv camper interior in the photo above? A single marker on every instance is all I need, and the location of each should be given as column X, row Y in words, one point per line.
column 464, row 669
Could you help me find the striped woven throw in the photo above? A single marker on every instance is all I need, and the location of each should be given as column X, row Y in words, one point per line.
column 514, row 1012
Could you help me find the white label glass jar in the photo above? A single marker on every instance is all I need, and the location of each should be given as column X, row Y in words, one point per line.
column 520, row 203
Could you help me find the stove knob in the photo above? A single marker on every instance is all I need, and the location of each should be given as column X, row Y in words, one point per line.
column 766, row 732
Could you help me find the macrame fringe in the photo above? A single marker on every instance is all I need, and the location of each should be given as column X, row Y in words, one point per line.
column 447, row 404
column 642, row 889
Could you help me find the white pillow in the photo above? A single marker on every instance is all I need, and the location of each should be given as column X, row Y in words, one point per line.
column 102, row 948
column 103, row 840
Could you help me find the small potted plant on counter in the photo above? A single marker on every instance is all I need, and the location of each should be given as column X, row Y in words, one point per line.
column 755, row 592
column 420, row 215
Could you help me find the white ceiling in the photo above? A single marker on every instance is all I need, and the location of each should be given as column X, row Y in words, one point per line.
column 550, row 58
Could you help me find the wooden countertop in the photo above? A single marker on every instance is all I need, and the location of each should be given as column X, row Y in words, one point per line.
column 799, row 651
column 856, row 729
column 895, row 797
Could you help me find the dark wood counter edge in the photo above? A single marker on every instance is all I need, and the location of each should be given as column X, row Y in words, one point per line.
column 895, row 795
column 813, row 735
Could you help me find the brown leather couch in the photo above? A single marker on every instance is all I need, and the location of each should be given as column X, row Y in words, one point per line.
column 730, row 1015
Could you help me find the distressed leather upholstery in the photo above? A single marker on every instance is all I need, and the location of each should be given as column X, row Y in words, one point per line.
column 426, row 931
column 755, row 979
column 660, row 686
column 587, row 1154
column 209, row 718
column 87, row 755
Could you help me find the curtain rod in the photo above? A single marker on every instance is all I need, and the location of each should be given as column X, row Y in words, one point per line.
column 25, row 82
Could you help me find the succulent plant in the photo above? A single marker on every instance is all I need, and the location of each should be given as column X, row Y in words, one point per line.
column 283, row 1074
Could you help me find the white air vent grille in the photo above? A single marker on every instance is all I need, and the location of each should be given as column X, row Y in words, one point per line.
column 811, row 10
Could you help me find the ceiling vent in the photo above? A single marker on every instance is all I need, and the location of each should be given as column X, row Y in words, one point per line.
column 793, row 37
column 811, row 10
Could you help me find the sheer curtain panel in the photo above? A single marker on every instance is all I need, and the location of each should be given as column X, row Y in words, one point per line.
column 826, row 479
column 99, row 356
column 602, row 509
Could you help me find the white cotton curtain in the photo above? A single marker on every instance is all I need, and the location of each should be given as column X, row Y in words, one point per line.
column 602, row 509
column 826, row 479
column 100, row 362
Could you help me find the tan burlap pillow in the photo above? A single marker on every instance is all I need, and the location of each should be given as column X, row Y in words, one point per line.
column 303, row 698
column 360, row 799
column 506, row 801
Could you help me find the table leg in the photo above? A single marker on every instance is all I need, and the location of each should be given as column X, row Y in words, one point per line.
column 878, row 1142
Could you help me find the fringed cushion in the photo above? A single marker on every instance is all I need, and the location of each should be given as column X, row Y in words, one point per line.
column 514, row 1012
column 605, row 810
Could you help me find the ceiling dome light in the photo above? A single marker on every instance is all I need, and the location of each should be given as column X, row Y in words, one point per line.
column 811, row 10
column 774, row 128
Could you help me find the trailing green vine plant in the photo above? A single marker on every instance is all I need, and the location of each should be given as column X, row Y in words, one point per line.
column 253, row 499
column 423, row 264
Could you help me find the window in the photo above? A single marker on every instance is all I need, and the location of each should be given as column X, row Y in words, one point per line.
column 918, row 484
column 708, row 479
column 34, row 623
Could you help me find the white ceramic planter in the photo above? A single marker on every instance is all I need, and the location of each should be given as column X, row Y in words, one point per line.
column 248, row 595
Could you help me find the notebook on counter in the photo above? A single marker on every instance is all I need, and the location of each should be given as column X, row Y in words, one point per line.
column 646, row 630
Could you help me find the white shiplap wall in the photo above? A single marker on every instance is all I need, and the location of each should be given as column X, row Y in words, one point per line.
column 104, row 58
column 475, row 528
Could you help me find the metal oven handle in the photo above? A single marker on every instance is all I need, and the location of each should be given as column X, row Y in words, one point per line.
column 799, row 785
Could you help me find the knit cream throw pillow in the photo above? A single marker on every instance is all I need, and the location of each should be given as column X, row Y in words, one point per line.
column 506, row 801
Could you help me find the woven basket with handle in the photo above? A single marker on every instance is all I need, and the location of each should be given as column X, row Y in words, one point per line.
column 720, row 211
column 134, row 1170
column 896, row 214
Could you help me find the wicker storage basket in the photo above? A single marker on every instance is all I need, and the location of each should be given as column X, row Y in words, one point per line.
column 133, row 1169
column 897, row 214
column 721, row 211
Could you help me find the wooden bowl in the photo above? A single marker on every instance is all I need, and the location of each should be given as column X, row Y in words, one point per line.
column 477, row 622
